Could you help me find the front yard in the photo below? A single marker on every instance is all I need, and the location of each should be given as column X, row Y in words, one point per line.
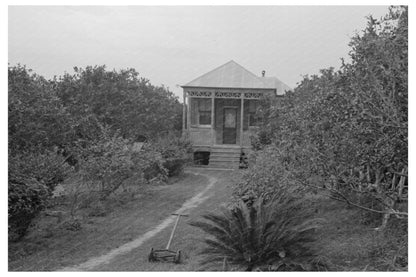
column 49, row 247
column 346, row 242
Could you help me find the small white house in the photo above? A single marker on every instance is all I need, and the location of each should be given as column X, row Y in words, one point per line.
column 220, row 113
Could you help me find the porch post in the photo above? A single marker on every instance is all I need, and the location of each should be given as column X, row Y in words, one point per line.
column 212, row 119
column 188, row 114
column 184, row 112
column 242, row 119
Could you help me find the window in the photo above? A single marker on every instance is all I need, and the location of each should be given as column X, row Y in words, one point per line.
column 204, row 111
column 253, row 118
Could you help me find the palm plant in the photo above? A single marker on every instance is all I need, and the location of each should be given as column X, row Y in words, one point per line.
column 272, row 236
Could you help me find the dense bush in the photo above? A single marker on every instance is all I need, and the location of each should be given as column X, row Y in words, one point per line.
column 120, row 99
column 107, row 162
column 149, row 164
column 274, row 236
column 347, row 129
column 31, row 180
column 53, row 123
column 267, row 176
column 48, row 168
column 175, row 151
column 26, row 198
column 64, row 112
column 37, row 119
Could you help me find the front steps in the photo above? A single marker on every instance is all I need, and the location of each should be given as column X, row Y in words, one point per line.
column 225, row 156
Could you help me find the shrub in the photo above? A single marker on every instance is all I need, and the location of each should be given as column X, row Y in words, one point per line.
column 266, row 177
column 175, row 150
column 32, row 178
column 276, row 235
column 260, row 139
column 81, row 194
column 148, row 164
column 48, row 168
column 107, row 162
column 26, row 198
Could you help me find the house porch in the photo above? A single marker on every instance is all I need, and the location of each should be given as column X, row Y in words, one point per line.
column 221, row 124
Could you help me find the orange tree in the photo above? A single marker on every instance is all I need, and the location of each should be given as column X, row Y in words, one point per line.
column 120, row 99
column 347, row 130
column 37, row 122
column 56, row 122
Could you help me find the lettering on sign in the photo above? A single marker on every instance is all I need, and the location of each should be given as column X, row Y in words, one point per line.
column 196, row 93
column 224, row 93
column 252, row 95
column 221, row 94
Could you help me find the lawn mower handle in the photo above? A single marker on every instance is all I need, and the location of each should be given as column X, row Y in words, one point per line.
column 174, row 229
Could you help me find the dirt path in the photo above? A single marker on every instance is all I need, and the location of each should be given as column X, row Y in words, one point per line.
column 217, row 189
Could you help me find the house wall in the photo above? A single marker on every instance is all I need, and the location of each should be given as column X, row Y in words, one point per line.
column 204, row 136
column 200, row 136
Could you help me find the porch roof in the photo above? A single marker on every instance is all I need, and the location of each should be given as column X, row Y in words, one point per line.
column 233, row 75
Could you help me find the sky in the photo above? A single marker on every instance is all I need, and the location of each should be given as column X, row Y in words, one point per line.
column 172, row 45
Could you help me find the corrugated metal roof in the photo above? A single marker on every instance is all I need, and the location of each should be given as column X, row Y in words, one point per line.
column 233, row 75
column 275, row 83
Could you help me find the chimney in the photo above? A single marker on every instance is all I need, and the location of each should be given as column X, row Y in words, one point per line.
column 263, row 73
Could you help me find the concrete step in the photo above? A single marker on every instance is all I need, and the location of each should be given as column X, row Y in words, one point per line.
column 224, row 159
column 225, row 150
column 228, row 146
column 216, row 164
column 225, row 155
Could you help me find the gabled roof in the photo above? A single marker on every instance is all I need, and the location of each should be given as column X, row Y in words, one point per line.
column 233, row 75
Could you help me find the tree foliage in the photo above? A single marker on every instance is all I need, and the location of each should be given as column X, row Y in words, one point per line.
column 122, row 100
column 348, row 128
column 84, row 122
column 107, row 162
column 37, row 118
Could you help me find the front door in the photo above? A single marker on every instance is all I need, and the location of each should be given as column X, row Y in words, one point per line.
column 229, row 134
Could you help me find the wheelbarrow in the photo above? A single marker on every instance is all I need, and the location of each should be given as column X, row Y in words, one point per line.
column 167, row 255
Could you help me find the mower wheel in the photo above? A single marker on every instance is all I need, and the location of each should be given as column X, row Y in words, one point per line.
column 151, row 257
column 177, row 259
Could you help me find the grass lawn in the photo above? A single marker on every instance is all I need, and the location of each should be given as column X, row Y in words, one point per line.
column 346, row 242
column 188, row 239
column 43, row 249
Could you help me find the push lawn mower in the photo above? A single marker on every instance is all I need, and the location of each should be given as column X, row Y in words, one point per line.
column 167, row 255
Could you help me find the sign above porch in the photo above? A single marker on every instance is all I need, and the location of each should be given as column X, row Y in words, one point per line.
column 224, row 93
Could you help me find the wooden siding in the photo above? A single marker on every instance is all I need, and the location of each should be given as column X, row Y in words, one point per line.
column 203, row 135
column 200, row 136
column 207, row 135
